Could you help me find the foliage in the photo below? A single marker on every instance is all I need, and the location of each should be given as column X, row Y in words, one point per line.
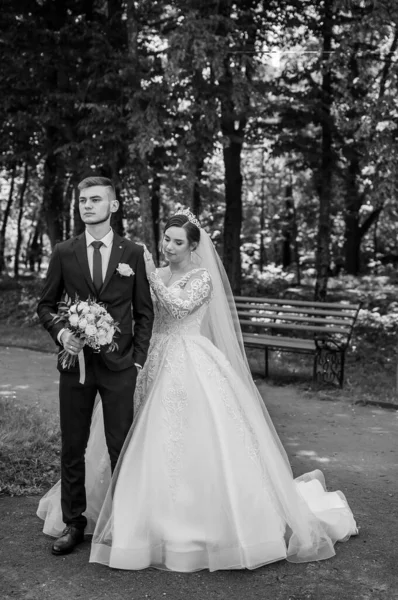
column 156, row 94
column 29, row 450
column 18, row 301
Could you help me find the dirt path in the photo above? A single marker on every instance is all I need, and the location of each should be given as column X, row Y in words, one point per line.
column 355, row 446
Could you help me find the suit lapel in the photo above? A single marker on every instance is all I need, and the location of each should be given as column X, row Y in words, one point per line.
column 80, row 249
column 118, row 247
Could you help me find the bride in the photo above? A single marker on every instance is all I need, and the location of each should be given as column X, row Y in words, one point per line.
column 203, row 481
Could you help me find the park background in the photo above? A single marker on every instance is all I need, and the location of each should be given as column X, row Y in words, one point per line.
column 275, row 121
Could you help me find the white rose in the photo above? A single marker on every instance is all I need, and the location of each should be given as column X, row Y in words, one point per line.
column 102, row 340
column 73, row 320
column 108, row 318
column 90, row 318
column 83, row 324
column 95, row 310
column 90, row 330
column 72, row 309
column 124, row 270
column 109, row 338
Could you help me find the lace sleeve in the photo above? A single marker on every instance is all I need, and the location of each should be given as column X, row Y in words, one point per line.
column 181, row 302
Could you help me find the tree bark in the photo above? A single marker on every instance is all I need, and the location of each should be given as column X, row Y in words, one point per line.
column 78, row 225
column 53, row 197
column 146, row 213
column 296, row 243
column 354, row 199
column 233, row 211
column 262, row 257
column 232, row 127
column 287, row 229
column 155, row 201
column 352, row 233
column 35, row 247
column 141, row 162
column 111, row 171
column 19, row 221
column 196, row 199
column 5, row 221
column 322, row 260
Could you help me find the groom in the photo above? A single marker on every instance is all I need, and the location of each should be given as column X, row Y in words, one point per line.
column 87, row 265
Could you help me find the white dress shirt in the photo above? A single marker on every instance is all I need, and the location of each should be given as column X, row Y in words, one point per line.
column 105, row 250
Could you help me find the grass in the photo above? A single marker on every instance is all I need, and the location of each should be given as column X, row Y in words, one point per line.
column 29, row 449
column 33, row 337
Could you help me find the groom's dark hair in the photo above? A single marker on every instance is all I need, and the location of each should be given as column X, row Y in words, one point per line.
column 104, row 181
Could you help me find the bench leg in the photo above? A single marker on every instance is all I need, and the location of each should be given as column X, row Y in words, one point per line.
column 314, row 369
column 266, row 362
column 329, row 366
column 342, row 359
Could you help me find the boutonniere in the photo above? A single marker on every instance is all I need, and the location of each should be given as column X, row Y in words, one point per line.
column 124, row 270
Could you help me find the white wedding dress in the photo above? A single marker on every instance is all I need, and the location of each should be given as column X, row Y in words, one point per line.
column 203, row 481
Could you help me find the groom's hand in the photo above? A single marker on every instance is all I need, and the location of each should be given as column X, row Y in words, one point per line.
column 71, row 343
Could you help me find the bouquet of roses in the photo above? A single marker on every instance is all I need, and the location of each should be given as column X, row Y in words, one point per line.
column 90, row 321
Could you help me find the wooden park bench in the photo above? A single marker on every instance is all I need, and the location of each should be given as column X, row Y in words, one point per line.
column 318, row 328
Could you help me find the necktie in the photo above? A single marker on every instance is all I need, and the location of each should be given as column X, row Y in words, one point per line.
column 97, row 266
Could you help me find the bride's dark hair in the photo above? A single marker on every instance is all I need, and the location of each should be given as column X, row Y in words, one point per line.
column 192, row 231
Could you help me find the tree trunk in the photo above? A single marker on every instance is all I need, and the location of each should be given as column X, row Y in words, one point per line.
column 19, row 222
column 352, row 234
column 322, row 260
column 155, row 201
column 78, row 225
column 34, row 251
column 111, row 171
column 68, row 203
column 5, row 221
column 141, row 163
column 53, row 197
column 196, row 199
column 262, row 257
column 287, row 229
column 146, row 215
column 295, row 243
column 233, row 124
column 233, row 214
column 233, row 129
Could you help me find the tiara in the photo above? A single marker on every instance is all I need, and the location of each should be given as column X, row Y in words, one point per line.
column 191, row 217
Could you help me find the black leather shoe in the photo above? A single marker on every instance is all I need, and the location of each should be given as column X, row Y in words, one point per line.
column 71, row 537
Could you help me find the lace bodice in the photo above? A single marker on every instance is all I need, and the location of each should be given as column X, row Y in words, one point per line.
column 180, row 308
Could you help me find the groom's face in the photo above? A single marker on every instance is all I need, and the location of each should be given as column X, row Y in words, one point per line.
column 96, row 205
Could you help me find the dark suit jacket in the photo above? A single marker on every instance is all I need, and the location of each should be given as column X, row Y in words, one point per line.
column 124, row 297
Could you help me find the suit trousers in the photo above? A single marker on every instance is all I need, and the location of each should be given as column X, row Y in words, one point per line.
column 116, row 389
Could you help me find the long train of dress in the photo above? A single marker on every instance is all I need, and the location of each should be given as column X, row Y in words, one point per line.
column 201, row 482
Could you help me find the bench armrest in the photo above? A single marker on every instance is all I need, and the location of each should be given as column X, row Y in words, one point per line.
column 330, row 342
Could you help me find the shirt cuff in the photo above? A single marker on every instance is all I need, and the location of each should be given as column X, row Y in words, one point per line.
column 138, row 366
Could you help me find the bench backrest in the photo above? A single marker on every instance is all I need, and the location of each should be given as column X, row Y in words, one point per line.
column 299, row 318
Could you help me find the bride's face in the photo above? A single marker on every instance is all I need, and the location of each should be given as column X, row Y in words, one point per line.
column 176, row 246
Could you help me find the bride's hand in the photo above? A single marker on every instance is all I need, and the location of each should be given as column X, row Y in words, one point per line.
column 150, row 266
